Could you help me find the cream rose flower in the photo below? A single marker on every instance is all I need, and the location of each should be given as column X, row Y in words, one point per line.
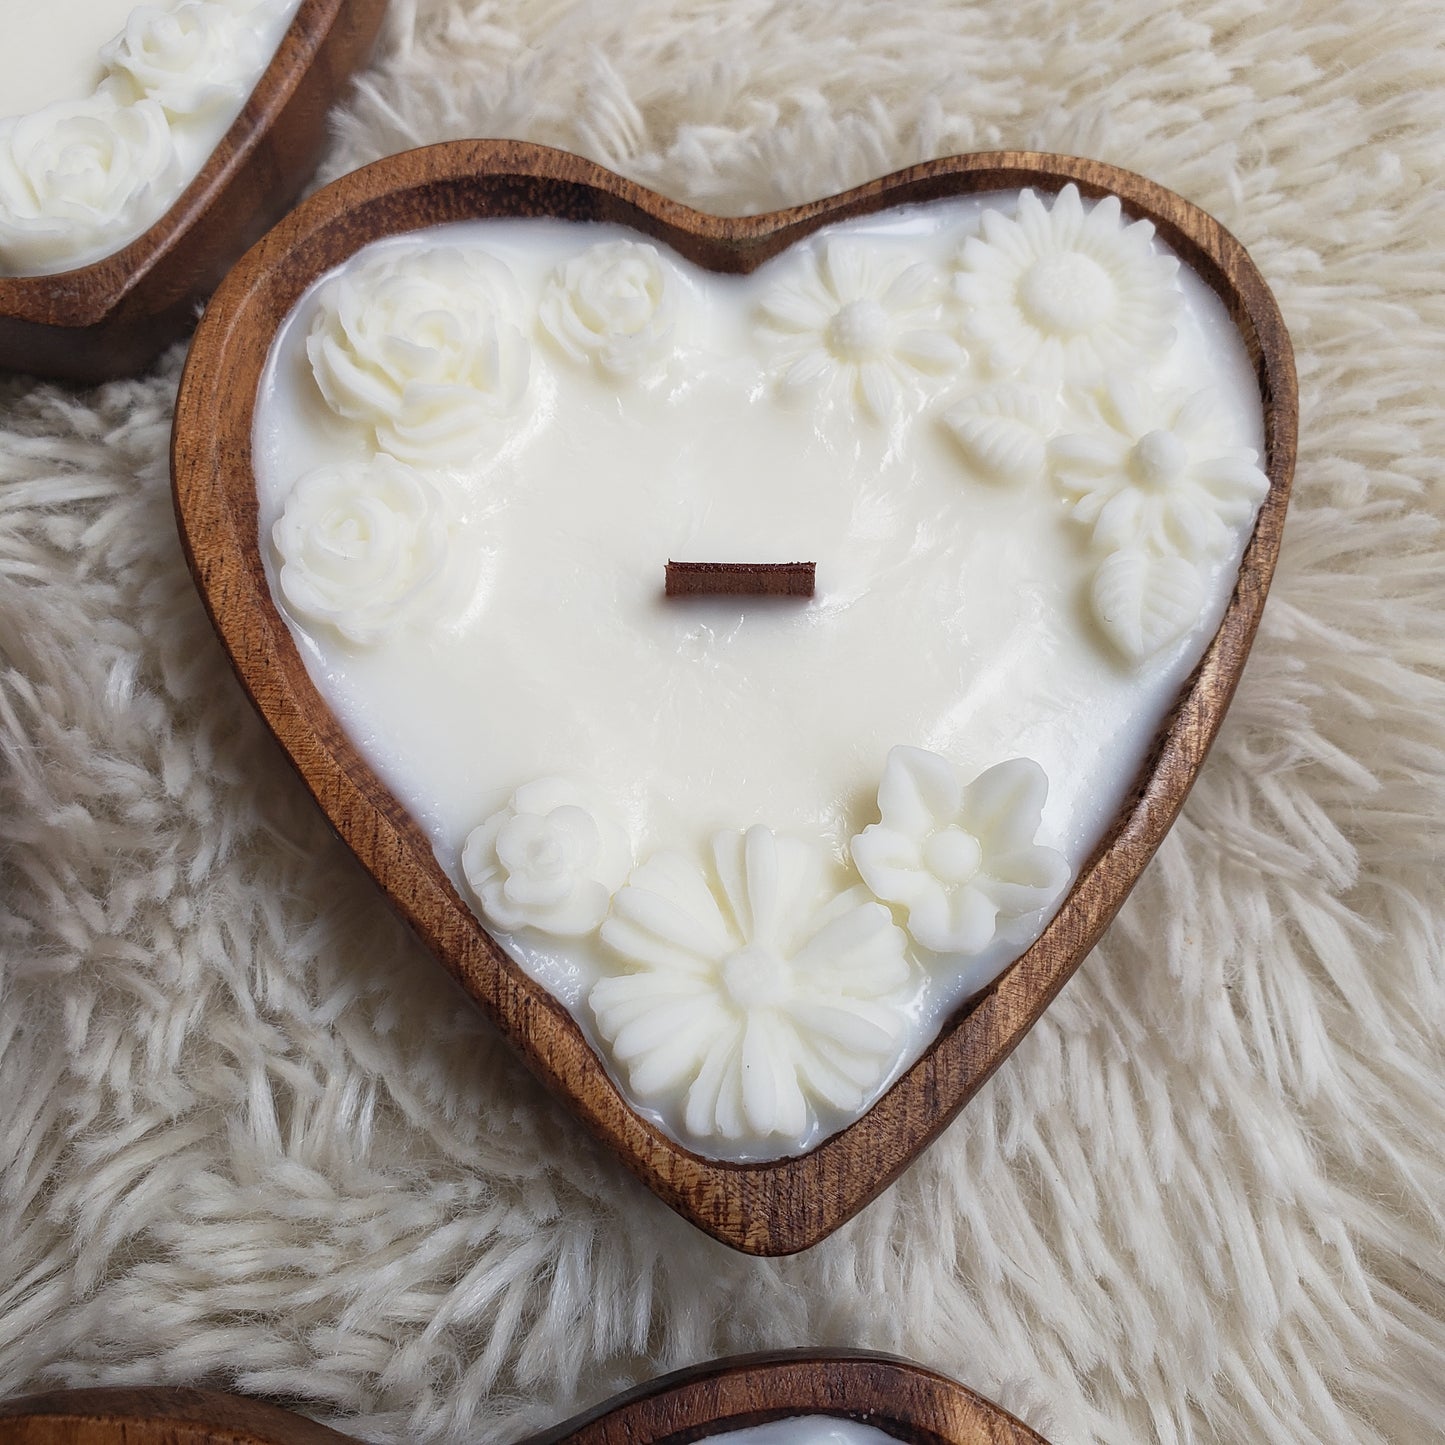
column 190, row 60
column 550, row 860
column 363, row 547
column 614, row 305
column 422, row 347
column 959, row 859
column 755, row 995
column 75, row 178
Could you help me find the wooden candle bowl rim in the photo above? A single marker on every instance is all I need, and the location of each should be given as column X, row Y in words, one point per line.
column 72, row 319
column 903, row 1400
column 763, row 1208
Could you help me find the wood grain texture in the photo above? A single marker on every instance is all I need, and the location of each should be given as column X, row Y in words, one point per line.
column 113, row 317
column 783, row 1206
column 905, row 1401
column 740, row 579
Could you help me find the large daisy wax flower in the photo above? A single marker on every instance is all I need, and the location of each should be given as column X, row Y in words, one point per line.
column 423, row 347
column 550, row 861
column 363, row 547
column 1066, row 293
column 862, row 325
column 1154, row 476
column 74, row 176
column 190, row 60
column 754, row 995
column 614, row 305
column 959, row 859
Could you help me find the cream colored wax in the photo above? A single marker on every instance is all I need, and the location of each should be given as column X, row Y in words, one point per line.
column 967, row 614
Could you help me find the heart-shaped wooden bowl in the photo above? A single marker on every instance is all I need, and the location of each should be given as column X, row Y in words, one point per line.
column 902, row 1400
column 763, row 1208
column 114, row 316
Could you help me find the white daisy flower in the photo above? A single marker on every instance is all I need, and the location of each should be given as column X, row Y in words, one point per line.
column 1154, row 475
column 863, row 326
column 1067, row 293
column 755, row 996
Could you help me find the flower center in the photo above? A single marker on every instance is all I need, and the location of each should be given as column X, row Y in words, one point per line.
column 1066, row 293
column 952, row 855
column 1158, row 459
column 534, row 847
column 859, row 331
column 755, row 977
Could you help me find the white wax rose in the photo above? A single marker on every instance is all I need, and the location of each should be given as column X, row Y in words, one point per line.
column 74, row 176
column 422, row 346
column 364, row 548
column 614, row 305
column 550, row 860
column 190, row 60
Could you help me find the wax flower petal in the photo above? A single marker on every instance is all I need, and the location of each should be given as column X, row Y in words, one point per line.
column 867, row 330
column 784, row 977
column 959, row 872
column 549, row 861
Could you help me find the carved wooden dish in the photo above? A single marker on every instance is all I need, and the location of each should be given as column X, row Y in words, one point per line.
column 113, row 317
column 902, row 1400
column 765, row 1208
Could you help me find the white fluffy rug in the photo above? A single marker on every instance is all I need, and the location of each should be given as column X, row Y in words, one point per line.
column 251, row 1136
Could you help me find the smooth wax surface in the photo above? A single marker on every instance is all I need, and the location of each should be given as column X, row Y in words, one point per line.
column 807, row 1430
column 951, row 613
column 51, row 49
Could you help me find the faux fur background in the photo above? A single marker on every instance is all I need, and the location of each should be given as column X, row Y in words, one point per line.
column 250, row 1136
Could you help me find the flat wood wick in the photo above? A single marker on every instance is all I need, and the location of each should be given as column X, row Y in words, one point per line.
column 740, row 579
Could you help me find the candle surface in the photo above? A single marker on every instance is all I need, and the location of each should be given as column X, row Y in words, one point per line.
column 52, row 50
column 108, row 111
column 761, row 847
column 807, row 1430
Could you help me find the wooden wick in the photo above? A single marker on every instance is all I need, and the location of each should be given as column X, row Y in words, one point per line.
column 740, row 579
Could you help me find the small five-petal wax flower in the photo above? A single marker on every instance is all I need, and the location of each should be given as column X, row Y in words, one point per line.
column 755, row 994
column 848, row 319
column 549, row 860
column 1156, row 476
column 959, row 858
column 1066, row 293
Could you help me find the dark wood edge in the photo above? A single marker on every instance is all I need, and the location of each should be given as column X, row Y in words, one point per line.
column 114, row 315
column 901, row 1399
column 786, row 1205
column 130, row 1415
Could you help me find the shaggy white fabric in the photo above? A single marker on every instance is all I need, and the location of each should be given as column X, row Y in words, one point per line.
column 251, row 1136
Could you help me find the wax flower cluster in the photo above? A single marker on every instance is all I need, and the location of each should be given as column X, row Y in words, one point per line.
column 754, row 987
column 750, row 986
column 1030, row 355
column 81, row 178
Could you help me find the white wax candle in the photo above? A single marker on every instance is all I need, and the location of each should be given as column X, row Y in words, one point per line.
column 52, row 50
column 1022, row 548
column 109, row 111
column 807, row 1430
